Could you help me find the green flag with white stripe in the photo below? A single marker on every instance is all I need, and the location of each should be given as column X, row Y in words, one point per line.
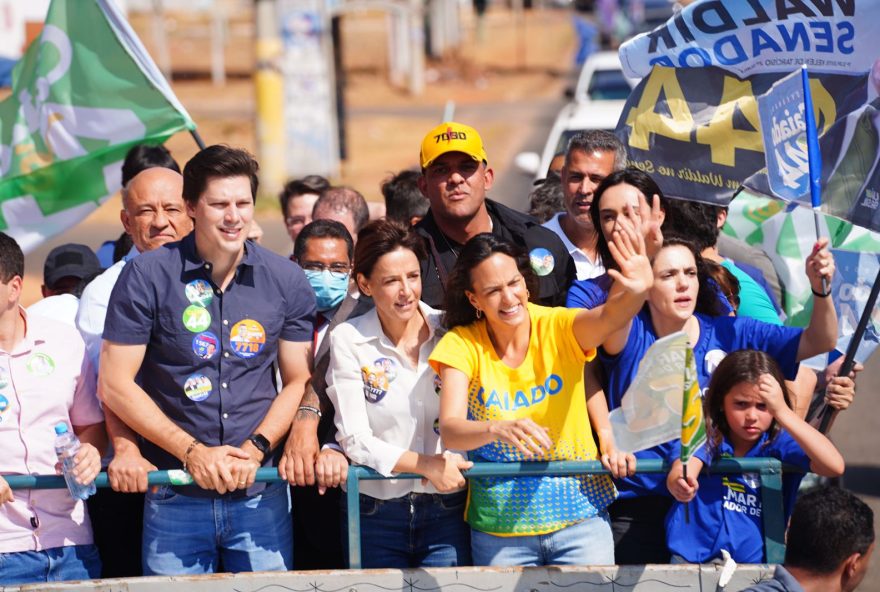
column 84, row 93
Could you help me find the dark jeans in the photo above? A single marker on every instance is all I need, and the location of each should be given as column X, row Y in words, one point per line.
column 416, row 530
column 317, row 542
column 118, row 524
column 639, row 530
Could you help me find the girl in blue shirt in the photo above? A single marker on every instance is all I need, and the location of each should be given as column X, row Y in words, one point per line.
column 748, row 414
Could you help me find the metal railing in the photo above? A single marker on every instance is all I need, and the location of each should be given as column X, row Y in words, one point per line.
column 770, row 470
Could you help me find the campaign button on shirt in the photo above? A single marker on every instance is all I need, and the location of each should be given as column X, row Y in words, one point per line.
column 4, row 405
column 205, row 345
column 196, row 318
column 199, row 293
column 247, row 338
column 197, row 387
column 542, row 261
column 40, row 365
column 4, row 378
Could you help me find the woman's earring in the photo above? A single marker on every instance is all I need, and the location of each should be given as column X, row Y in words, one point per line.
column 528, row 294
column 479, row 314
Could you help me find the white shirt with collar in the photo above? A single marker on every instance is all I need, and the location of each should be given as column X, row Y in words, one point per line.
column 585, row 268
column 384, row 406
column 93, row 307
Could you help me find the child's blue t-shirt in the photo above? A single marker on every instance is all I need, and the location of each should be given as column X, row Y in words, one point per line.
column 726, row 512
column 719, row 336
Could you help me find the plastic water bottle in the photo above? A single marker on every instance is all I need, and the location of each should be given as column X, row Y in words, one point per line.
column 66, row 447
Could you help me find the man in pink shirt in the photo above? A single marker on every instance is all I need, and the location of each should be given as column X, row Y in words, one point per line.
column 45, row 379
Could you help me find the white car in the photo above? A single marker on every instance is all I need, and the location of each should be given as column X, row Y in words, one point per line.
column 573, row 118
column 602, row 79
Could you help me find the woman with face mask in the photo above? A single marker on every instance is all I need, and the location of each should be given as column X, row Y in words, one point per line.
column 387, row 407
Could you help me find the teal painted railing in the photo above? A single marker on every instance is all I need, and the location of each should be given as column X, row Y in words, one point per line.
column 770, row 470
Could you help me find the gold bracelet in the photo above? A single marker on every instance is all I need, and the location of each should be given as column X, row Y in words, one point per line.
column 189, row 449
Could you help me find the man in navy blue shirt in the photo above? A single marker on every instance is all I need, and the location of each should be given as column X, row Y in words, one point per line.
column 193, row 333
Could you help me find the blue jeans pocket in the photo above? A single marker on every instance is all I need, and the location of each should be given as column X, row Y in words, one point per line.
column 454, row 501
column 369, row 506
column 161, row 494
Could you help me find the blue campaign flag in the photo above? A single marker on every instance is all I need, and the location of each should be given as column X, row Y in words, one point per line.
column 814, row 156
column 783, row 124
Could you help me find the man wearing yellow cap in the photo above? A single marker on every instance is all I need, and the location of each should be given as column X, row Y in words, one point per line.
column 455, row 179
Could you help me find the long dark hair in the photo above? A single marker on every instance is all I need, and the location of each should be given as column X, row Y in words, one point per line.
column 638, row 179
column 745, row 365
column 708, row 302
column 459, row 310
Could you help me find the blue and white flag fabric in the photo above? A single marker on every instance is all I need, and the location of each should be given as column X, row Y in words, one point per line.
column 781, row 110
column 749, row 37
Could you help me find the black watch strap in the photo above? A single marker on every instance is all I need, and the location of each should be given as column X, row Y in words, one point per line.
column 262, row 444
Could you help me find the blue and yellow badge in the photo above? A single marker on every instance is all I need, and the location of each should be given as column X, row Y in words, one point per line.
column 377, row 377
column 40, row 365
column 199, row 293
column 542, row 261
column 197, row 387
column 205, row 345
column 4, row 406
column 196, row 318
column 438, row 384
column 437, row 426
column 247, row 338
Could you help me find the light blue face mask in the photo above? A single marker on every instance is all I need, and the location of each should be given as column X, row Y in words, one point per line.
column 329, row 290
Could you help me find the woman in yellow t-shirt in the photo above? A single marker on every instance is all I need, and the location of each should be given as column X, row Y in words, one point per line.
column 512, row 390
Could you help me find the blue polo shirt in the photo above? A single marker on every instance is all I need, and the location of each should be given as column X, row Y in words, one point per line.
column 209, row 363
column 718, row 337
column 727, row 512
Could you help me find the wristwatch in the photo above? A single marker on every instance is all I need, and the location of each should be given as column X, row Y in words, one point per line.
column 260, row 441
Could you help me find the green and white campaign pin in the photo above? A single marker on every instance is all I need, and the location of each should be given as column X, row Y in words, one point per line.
column 199, row 292
column 196, row 318
column 40, row 365
column 197, row 387
column 4, row 406
column 542, row 261
column 4, row 378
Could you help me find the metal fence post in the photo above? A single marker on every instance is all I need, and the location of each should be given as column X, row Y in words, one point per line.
column 773, row 510
column 354, row 517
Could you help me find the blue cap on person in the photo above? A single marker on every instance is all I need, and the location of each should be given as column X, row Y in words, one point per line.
column 451, row 137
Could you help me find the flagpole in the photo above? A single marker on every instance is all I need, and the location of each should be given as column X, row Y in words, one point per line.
column 849, row 360
column 814, row 157
column 199, row 141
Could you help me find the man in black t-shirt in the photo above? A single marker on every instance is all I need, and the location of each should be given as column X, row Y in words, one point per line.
column 456, row 178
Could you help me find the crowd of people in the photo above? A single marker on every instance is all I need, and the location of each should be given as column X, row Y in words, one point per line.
column 451, row 330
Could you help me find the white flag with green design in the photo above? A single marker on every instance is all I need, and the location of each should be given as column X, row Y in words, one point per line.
column 786, row 232
column 83, row 94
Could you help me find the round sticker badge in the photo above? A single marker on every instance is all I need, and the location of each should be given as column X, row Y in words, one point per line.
column 196, row 318
column 40, row 365
column 199, row 292
column 377, row 377
column 197, row 387
column 437, row 426
column 4, row 405
column 205, row 345
column 437, row 384
column 542, row 261
column 4, row 378
column 247, row 339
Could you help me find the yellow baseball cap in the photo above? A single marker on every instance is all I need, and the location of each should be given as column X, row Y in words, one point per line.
column 451, row 137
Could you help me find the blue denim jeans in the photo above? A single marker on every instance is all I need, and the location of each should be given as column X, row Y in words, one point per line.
column 193, row 535
column 416, row 530
column 79, row 562
column 585, row 543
